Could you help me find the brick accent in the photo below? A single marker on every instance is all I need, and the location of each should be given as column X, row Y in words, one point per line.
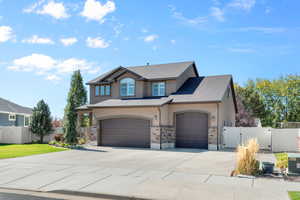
column 212, row 138
column 162, row 137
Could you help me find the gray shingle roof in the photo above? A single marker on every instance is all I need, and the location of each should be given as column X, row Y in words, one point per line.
column 210, row 89
column 8, row 106
column 159, row 71
column 131, row 102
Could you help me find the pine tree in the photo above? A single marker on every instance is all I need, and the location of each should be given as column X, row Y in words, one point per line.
column 77, row 96
column 41, row 120
column 70, row 126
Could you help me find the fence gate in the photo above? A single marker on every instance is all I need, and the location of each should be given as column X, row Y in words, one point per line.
column 234, row 136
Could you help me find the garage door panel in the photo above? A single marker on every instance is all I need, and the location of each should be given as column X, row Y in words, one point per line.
column 125, row 132
column 192, row 130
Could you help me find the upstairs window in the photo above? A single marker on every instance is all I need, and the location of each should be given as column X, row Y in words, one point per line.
column 127, row 87
column 158, row 89
column 102, row 90
column 12, row 117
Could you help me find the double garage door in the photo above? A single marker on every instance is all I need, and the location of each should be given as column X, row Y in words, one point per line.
column 125, row 132
column 191, row 131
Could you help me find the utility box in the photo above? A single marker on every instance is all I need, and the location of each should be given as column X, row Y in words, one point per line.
column 294, row 163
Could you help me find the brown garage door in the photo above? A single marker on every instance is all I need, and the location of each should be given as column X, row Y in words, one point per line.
column 125, row 132
column 192, row 130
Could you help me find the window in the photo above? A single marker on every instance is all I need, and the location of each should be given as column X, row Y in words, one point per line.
column 97, row 92
column 158, row 89
column 26, row 120
column 103, row 90
column 12, row 117
column 127, row 87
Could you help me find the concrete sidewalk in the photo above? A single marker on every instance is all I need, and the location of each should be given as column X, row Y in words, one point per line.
column 140, row 174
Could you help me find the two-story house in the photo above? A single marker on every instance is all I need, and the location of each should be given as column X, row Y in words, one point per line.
column 160, row 106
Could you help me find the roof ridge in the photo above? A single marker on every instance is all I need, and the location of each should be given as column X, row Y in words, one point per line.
column 158, row 64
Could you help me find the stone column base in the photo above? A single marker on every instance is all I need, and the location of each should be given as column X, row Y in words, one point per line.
column 162, row 137
column 212, row 147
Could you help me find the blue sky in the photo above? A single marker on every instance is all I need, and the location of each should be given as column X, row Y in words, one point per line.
column 43, row 41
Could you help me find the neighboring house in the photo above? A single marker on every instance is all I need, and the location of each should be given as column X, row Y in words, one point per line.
column 12, row 114
column 160, row 106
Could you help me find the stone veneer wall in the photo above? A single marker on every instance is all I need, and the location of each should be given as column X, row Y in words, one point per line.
column 162, row 137
column 213, row 138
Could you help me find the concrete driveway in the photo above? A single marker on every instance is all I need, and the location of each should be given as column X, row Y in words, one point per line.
column 150, row 174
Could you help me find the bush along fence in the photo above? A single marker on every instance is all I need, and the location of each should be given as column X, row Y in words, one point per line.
column 276, row 140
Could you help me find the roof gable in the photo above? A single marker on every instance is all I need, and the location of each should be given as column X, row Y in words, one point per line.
column 150, row 72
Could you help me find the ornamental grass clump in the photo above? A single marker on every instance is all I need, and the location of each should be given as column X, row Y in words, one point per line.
column 246, row 158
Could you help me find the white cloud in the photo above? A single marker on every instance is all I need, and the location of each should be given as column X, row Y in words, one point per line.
column 6, row 33
column 72, row 64
column 188, row 21
column 97, row 42
column 52, row 8
column 94, row 10
column 267, row 10
column 52, row 77
column 68, row 41
column 241, row 50
column 217, row 13
column 242, row 4
column 173, row 41
column 94, row 71
column 33, row 7
column 52, row 68
column 144, row 30
column 34, row 62
column 38, row 40
column 266, row 30
column 118, row 29
column 150, row 38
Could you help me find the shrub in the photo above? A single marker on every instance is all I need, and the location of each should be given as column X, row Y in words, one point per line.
column 58, row 137
column 282, row 161
column 81, row 141
column 246, row 158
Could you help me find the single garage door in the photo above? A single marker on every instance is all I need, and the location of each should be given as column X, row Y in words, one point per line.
column 192, row 130
column 125, row 132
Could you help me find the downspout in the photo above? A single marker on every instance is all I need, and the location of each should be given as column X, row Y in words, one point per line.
column 218, row 126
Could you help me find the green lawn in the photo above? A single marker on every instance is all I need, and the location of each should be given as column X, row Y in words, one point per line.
column 19, row 150
column 294, row 195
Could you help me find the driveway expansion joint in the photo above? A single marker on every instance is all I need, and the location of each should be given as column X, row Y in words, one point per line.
column 98, row 180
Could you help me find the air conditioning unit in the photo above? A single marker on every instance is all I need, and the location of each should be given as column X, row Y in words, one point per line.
column 294, row 163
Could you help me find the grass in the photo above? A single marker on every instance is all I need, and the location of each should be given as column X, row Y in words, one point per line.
column 20, row 150
column 294, row 195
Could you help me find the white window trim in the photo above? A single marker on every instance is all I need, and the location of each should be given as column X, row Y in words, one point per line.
column 12, row 119
column 28, row 120
column 159, row 95
column 127, row 88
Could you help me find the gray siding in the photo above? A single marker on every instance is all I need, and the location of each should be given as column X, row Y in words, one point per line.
column 5, row 122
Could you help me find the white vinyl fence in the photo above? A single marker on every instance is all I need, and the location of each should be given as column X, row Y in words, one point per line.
column 276, row 140
column 19, row 135
column 287, row 139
